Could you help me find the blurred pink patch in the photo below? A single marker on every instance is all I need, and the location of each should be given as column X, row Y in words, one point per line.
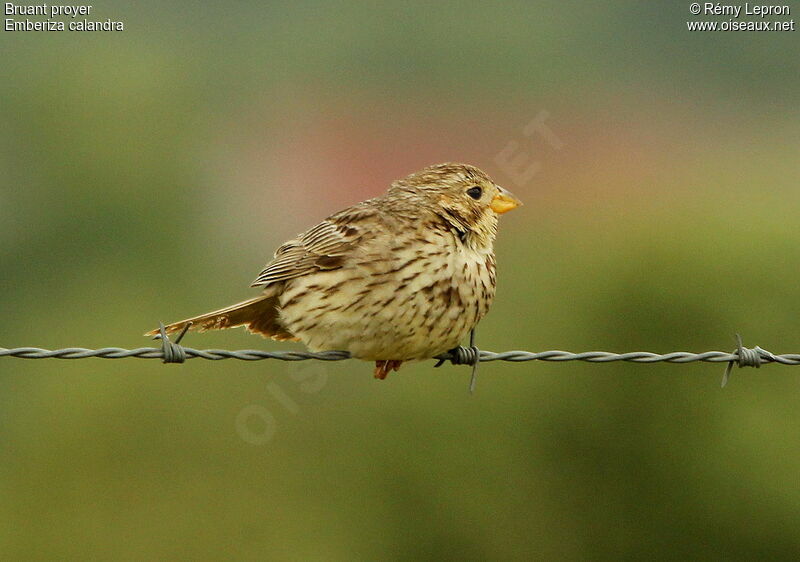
column 303, row 166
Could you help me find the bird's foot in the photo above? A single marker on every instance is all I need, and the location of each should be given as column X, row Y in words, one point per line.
column 383, row 368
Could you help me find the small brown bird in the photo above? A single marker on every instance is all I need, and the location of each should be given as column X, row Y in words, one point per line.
column 401, row 277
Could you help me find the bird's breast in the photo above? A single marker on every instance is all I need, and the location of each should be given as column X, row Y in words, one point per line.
column 410, row 299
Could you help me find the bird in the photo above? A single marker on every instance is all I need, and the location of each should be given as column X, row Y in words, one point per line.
column 401, row 277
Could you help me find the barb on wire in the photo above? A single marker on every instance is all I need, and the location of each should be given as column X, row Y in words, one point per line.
column 173, row 352
column 464, row 356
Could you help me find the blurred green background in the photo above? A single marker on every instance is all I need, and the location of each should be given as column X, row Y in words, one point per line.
column 147, row 175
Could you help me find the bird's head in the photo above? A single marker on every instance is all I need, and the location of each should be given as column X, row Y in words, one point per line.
column 462, row 195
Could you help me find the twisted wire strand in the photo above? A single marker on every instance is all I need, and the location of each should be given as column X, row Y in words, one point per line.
column 746, row 359
column 173, row 352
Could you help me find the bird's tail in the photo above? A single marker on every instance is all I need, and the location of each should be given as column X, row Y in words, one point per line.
column 259, row 315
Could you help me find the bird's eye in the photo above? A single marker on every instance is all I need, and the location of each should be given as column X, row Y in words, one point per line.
column 474, row 192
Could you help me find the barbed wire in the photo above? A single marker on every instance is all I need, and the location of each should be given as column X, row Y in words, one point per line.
column 173, row 352
column 484, row 355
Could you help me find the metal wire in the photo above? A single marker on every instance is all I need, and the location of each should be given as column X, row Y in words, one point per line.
column 173, row 352
column 743, row 357
column 158, row 353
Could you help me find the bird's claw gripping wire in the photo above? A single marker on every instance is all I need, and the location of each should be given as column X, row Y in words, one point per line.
column 173, row 351
column 746, row 357
column 464, row 356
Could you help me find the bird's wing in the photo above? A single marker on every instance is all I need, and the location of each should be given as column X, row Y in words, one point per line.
column 323, row 247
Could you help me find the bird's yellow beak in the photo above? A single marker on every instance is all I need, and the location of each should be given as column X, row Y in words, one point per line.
column 504, row 201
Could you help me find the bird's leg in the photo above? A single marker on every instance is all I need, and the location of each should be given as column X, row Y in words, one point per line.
column 382, row 368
